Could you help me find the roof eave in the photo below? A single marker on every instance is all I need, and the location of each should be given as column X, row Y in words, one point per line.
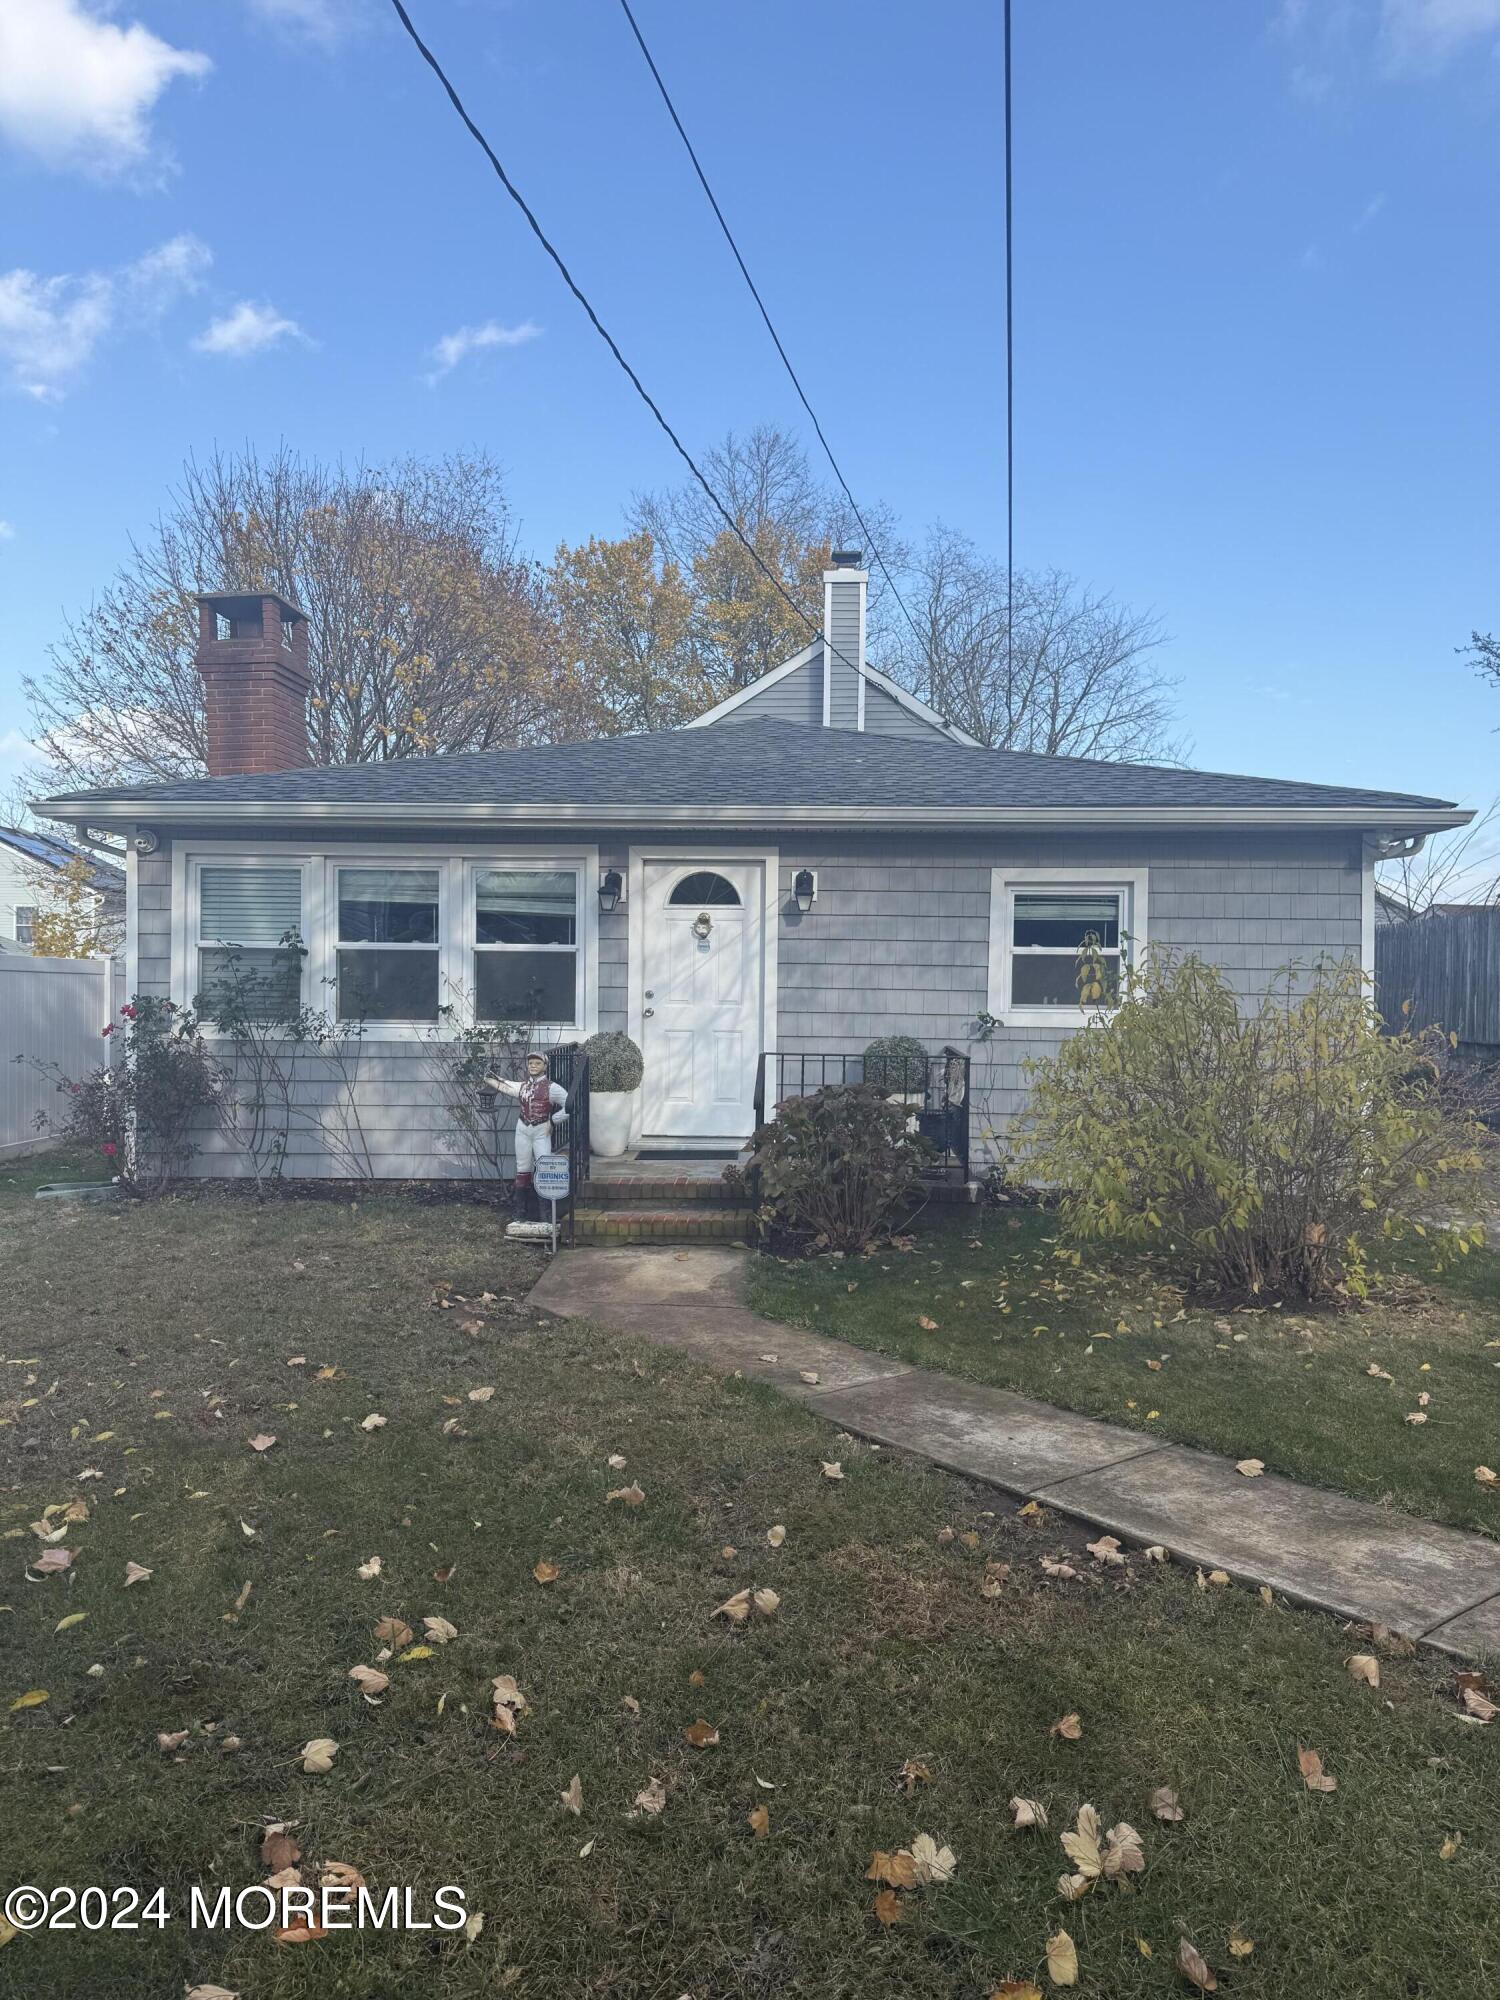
column 123, row 813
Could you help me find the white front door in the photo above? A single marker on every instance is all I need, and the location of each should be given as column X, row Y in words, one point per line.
column 702, row 976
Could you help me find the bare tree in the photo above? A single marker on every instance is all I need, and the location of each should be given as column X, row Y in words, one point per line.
column 1461, row 867
column 1076, row 678
column 1483, row 654
column 428, row 631
column 742, row 624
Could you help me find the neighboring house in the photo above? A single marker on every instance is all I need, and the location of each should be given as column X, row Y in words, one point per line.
column 29, row 862
column 819, row 861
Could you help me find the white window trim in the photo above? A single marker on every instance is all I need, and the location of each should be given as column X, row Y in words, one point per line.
column 441, row 949
column 456, row 865
column 587, row 892
column 1129, row 883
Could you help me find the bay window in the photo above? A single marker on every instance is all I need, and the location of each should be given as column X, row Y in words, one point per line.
column 526, row 945
column 388, row 944
column 247, row 954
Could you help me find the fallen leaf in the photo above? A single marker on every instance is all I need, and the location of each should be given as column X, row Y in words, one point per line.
column 652, row 1801
column 1450, row 1846
column 370, row 1569
column 300, row 1931
column 318, row 1755
column 888, row 1907
column 340, row 1875
column 278, row 1849
column 736, row 1609
column 369, row 1680
column 927, row 1325
column 1240, row 1946
column 1250, row 1468
column 1062, row 1960
column 631, row 1496
column 1156, row 1553
column 1477, row 1705
column 1123, row 1854
column 572, row 1798
column 65, row 1624
column 134, row 1573
column 1027, row 1812
column 33, row 1698
column 897, row 1871
column 1219, row 1578
column 474, row 1923
column 1310, row 1764
column 210, row 1993
column 1067, row 1726
column 546, row 1572
column 262, row 1442
column 1165, row 1805
column 393, row 1632
column 1486, row 1475
column 701, row 1734
column 1017, row 1989
column 480, row 1395
column 1106, row 1550
column 373, row 1422
column 832, row 1469
column 1416, row 1416
column 1379, row 1373
column 932, row 1863
column 415, row 1653
column 1364, row 1667
column 1052, row 1567
column 767, row 1603
column 776, row 1536
column 1194, row 1967
column 51, row 1562
column 758, row 1819
column 616, row 1461
column 439, row 1631
column 171, row 1739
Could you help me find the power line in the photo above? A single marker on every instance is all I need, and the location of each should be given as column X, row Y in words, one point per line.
column 606, row 336
column 1010, row 392
column 786, row 361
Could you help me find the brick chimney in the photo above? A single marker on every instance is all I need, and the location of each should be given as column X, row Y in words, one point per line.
column 252, row 654
column 845, row 583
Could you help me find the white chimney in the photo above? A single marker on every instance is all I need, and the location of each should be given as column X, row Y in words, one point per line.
column 844, row 587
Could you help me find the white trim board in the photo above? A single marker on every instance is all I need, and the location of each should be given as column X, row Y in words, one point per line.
column 769, row 860
column 1004, row 882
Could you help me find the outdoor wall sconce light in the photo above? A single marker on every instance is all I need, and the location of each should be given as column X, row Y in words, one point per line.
column 805, row 889
column 611, row 888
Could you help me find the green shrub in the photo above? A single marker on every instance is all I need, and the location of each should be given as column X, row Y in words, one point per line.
column 836, row 1170
column 615, row 1063
column 896, row 1063
column 1260, row 1153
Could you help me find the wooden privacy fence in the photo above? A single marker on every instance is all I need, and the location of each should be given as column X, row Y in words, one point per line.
column 51, row 1009
column 1447, row 964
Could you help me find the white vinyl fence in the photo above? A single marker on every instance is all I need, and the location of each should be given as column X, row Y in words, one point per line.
column 51, row 1009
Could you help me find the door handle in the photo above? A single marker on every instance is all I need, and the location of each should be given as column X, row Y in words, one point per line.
column 647, row 1012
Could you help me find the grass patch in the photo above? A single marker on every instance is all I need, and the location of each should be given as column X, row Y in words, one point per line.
column 152, row 1341
column 1290, row 1387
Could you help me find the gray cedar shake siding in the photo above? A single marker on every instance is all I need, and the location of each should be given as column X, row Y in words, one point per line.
column 897, row 941
column 798, row 697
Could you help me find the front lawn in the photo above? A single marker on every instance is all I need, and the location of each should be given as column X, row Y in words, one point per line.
column 149, row 1345
column 995, row 1296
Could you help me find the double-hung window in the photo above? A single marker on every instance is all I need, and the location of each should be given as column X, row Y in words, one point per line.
column 1045, row 928
column 247, row 955
column 388, row 943
column 526, row 956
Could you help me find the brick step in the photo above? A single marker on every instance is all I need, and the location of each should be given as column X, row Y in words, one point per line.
column 674, row 1222
column 651, row 1191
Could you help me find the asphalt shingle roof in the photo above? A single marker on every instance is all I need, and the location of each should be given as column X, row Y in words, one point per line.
column 753, row 765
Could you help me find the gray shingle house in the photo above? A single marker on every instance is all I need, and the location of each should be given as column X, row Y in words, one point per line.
column 819, row 861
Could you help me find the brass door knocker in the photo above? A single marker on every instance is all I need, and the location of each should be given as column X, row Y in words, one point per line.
column 703, row 923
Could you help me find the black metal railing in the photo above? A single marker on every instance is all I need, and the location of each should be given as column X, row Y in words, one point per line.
column 936, row 1088
column 569, row 1066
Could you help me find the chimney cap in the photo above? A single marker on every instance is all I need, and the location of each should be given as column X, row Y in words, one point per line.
column 847, row 558
column 245, row 604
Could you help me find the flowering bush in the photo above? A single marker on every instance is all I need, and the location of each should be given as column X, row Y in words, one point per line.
column 140, row 1109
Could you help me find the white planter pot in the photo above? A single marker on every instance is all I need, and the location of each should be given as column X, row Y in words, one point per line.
column 611, row 1115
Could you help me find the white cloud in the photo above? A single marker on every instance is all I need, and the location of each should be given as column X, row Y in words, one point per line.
column 50, row 327
column 467, row 340
column 248, row 328
column 78, row 90
column 1369, row 212
column 1424, row 34
column 7, row 532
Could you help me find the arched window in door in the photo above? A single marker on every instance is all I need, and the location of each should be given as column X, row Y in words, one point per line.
column 704, row 890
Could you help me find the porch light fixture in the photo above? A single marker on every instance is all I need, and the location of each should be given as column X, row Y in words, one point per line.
column 804, row 889
column 611, row 887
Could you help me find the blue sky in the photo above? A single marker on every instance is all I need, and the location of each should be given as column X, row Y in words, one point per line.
column 1258, row 295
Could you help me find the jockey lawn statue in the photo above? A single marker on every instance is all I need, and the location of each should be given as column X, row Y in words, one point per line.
column 538, row 1102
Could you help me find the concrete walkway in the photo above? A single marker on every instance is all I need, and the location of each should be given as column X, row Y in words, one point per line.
column 1314, row 1547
